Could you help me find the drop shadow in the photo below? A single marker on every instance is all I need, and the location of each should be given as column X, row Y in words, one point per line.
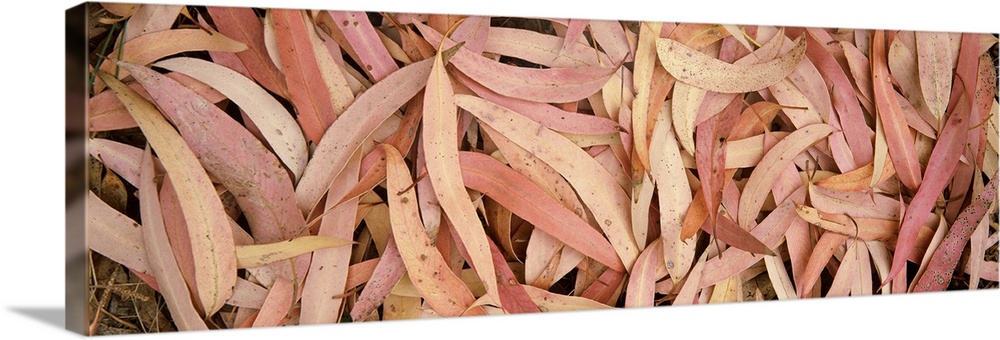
column 53, row 316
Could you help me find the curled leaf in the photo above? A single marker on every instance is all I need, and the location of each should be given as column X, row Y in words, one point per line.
column 693, row 67
column 274, row 122
column 553, row 85
column 772, row 164
column 152, row 46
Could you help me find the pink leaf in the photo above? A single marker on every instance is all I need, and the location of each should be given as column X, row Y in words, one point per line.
column 385, row 276
column 322, row 294
column 277, row 126
column 242, row 25
column 487, row 175
column 553, row 85
column 115, row 235
column 698, row 69
column 211, row 236
column 942, row 163
column 574, row 31
column 153, row 46
column 897, row 133
column 302, row 73
column 234, row 156
column 354, row 126
column 360, row 34
column 440, row 141
column 602, row 194
column 162, row 263
column 762, row 178
column 428, row 271
column 276, row 305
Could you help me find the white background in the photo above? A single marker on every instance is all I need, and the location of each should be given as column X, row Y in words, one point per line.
column 32, row 212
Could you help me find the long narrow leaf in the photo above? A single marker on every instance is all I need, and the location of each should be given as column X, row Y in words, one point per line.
column 487, row 175
column 302, row 74
column 937, row 277
column 554, row 85
column 231, row 154
column 150, row 47
column 897, row 133
column 428, row 271
column 210, row 233
column 596, row 187
column 354, row 126
column 698, row 69
column 162, row 263
column 274, row 122
column 440, row 141
column 242, row 25
column 773, row 162
column 262, row 254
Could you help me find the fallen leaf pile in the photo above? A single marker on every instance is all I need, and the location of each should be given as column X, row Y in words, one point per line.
column 267, row 167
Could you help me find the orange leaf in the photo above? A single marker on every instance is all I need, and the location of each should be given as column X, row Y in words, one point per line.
column 302, row 74
column 152, row 46
column 161, row 257
column 243, row 25
column 440, row 143
column 427, row 270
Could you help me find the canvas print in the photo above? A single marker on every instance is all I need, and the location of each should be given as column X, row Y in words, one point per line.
column 262, row 167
